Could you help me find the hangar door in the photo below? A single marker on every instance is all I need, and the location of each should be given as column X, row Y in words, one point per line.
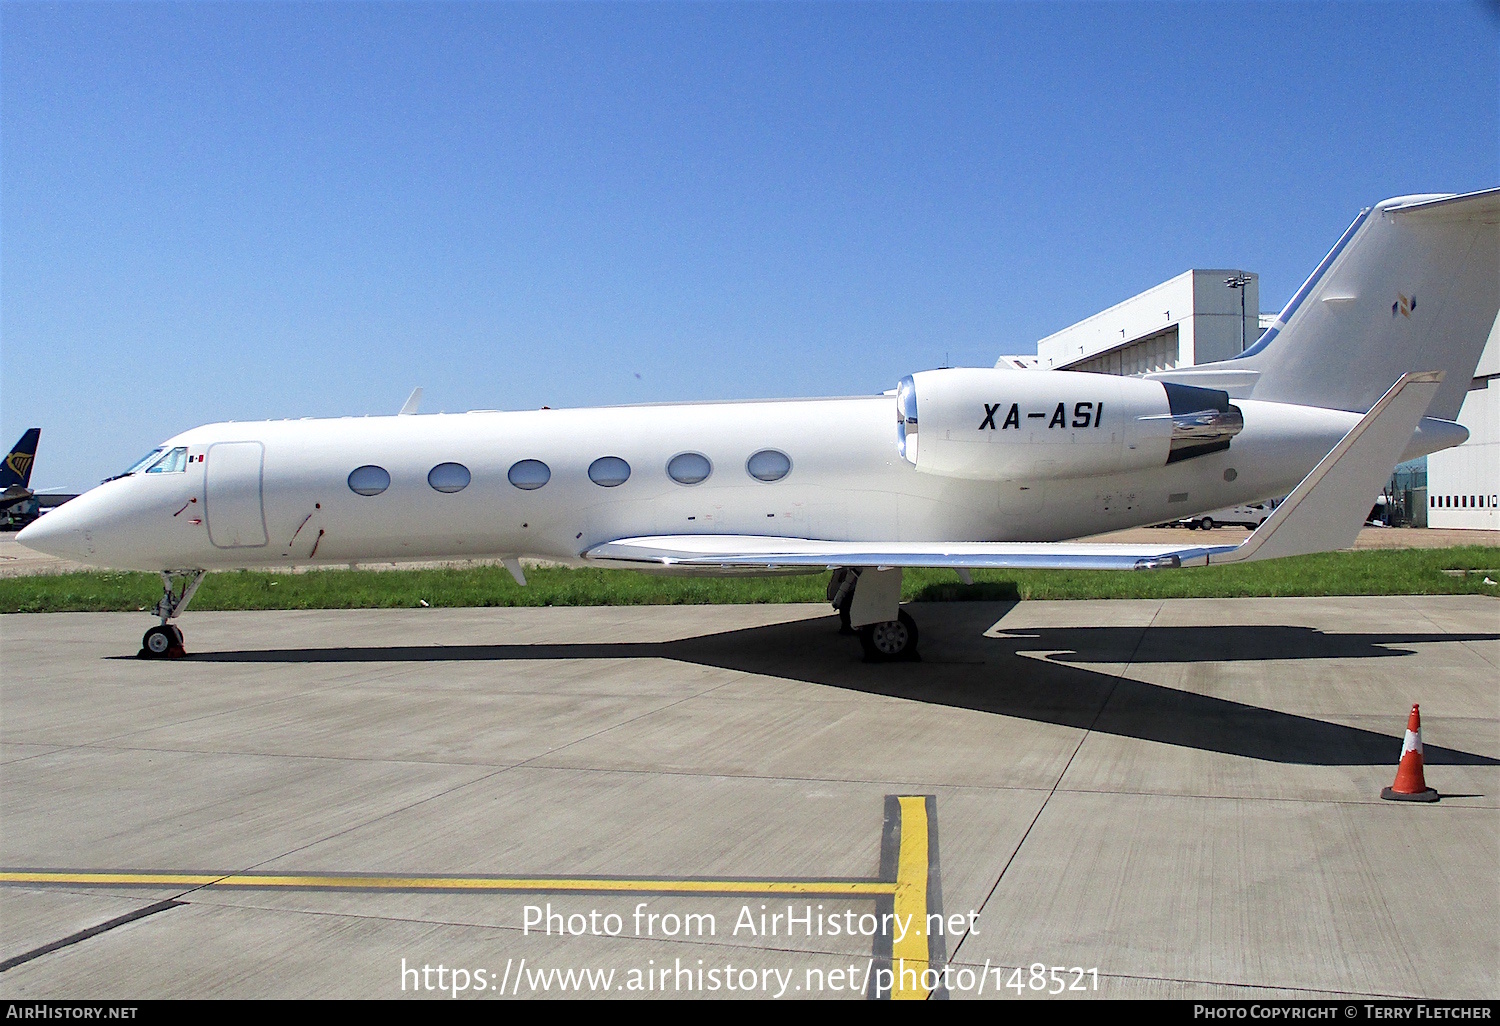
column 232, row 502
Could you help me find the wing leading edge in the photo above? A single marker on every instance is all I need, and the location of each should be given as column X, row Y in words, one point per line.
column 1324, row 512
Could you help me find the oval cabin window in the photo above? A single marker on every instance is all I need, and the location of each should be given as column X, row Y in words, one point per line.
column 448, row 477
column 529, row 475
column 689, row 468
column 609, row 471
column 769, row 465
column 369, row 480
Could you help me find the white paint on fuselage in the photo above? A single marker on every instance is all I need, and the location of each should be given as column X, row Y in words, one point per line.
column 847, row 483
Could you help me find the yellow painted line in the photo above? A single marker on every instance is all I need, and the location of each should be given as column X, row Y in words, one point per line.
column 909, row 953
column 909, row 891
column 112, row 879
column 828, row 888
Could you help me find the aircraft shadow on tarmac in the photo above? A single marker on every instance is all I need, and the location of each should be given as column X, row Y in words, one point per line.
column 1030, row 672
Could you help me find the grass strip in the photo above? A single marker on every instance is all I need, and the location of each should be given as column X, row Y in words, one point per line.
column 1368, row 572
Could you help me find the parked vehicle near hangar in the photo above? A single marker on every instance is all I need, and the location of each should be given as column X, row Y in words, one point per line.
column 1250, row 514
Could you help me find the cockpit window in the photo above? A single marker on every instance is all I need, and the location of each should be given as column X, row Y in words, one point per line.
column 173, row 462
column 144, row 462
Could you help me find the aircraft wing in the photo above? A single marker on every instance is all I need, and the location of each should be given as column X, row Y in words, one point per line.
column 1324, row 512
column 731, row 552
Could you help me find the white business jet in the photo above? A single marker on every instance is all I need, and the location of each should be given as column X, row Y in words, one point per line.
column 962, row 468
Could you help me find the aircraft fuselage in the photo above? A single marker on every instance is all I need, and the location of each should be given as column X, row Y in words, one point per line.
column 278, row 493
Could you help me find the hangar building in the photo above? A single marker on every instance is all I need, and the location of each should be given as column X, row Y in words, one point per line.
column 1463, row 483
column 1194, row 318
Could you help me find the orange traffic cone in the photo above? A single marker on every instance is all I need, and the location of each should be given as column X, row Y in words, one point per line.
column 1410, row 786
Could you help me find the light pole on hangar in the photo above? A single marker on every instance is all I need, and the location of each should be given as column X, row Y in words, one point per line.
column 1239, row 281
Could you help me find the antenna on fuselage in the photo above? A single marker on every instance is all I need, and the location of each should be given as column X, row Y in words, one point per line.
column 412, row 402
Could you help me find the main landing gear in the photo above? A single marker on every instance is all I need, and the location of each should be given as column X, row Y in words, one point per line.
column 867, row 600
column 165, row 640
column 841, row 595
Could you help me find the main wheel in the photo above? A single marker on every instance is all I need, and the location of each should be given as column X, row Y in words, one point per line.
column 890, row 641
column 158, row 639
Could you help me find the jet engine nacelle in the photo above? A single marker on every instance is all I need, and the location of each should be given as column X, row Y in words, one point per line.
column 991, row 424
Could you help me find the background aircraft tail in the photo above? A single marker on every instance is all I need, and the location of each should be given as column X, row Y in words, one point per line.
column 1413, row 285
column 16, row 469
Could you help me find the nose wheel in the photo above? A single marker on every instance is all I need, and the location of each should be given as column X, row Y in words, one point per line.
column 164, row 641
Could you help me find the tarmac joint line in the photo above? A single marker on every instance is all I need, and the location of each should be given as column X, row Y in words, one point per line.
column 83, row 935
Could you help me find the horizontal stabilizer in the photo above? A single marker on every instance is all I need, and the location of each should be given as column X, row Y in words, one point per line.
column 1476, row 207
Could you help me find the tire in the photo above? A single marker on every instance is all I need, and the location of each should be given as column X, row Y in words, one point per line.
column 890, row 641
column 1207, row 523
column 158, row 640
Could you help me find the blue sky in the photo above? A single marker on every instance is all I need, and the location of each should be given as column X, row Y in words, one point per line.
column 214, row 211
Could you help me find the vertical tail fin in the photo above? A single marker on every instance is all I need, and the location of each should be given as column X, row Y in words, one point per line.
column 16, row 469
column 1413, row 285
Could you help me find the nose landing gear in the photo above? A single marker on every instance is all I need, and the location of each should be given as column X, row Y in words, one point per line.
column 164, row 641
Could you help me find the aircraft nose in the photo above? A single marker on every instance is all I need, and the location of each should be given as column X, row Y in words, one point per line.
column 58, row 533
